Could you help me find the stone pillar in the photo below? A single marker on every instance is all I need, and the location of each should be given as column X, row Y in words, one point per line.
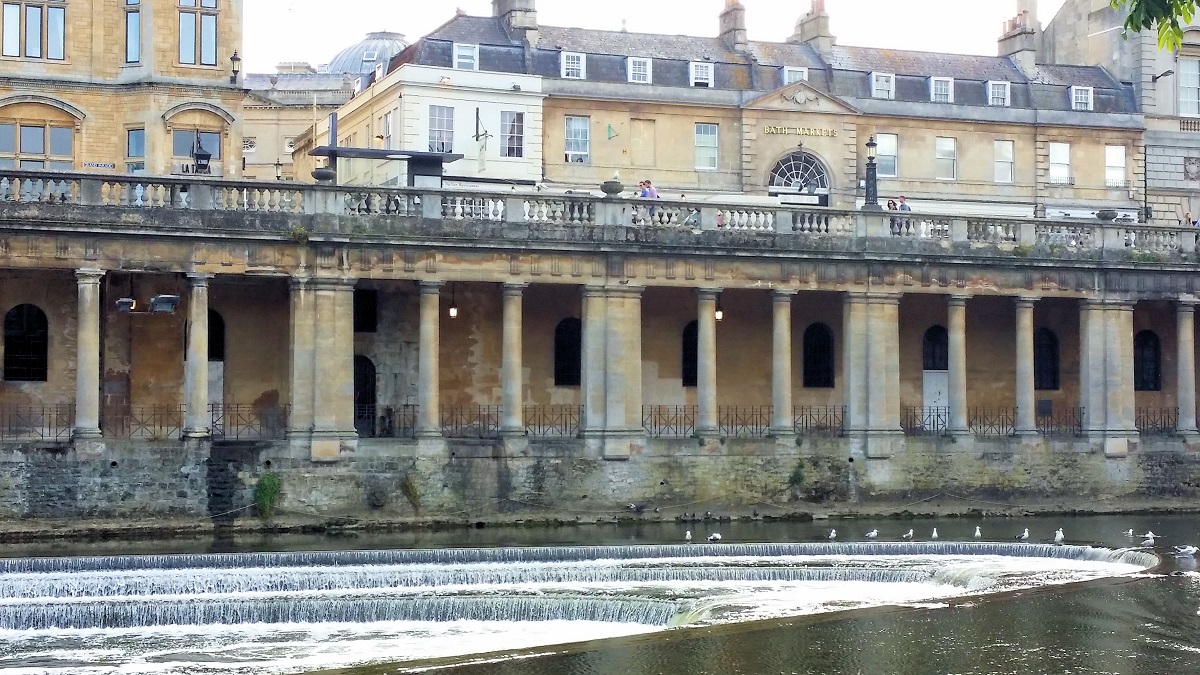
column 1185, row 317
column 782, row 421
column 1119, row 371
column 883, row 375
column 333, row 369
column 512, row 420
column 429, row 422
column 197, row 420
column 1026, row 421
column 854, row 361
column 706, row 362
column 623, row 361
column 956, row 317
column 1091, row 367
column 87, row 357
column 301, row 357
column 592, row 368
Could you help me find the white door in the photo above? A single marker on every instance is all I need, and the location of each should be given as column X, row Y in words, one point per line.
column 936, row 384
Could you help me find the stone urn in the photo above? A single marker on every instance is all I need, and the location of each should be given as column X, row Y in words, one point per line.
column 324, row 174
column 1106, row 214
column 612, row 188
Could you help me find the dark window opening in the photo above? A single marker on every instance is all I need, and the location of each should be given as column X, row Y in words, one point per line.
column 568, row 353
column 366, row 310
column 818, row 356
column 1045, row 359
column 935, row 349
column 216, row 336
column 1147, row 362
column 690, row 351
column 26, row 344
column 364, row 396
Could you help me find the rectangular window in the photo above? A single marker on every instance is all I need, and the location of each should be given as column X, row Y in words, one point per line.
column 1060, row 163
column 198, row 34
column 135, row 143
column 1003, row 151
column 706, row 147
column 387, row 130
column 34, row 29
column 37, row 146
column 578, row 139
column 946, row 158
column 702, row 74
column 184, row 143
column 12, row 30
column 133, row 31
column 441, row 128
column 886, row 146
column 639, row 70
column 1189, row 87
column 941, row 89
column 1081, row 98
column 466, row 57
column 512, row 134
column 998, row 93
column 791, row 75
column 1114, row 166
column 574, row 66
column 883, row 85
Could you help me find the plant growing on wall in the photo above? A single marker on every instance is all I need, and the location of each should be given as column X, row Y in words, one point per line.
column 412, row 492
column 266, row 494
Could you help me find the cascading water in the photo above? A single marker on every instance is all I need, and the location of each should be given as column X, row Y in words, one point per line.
column 407, row 594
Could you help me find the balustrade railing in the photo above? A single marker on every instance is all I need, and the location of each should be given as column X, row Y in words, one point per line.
column 920, row 227
column 822, row 222
column 1065, row 422
column 744, row 421
column 36, row 423
column 1156, row 421
column 385, row 421
column 669, row 421
column 1066, row 235
column 917, row 421
column 238, row 422
column 993, row 231
column 810, row 420
column 470, row 421
column 148, row 422
column 552, row 421
column 992, row 421
column 661, row 213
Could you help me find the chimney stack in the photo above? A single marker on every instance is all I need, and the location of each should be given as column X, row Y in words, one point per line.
column 733, row 26
column 813, row 29
column 519, row 18
column 1020, row 37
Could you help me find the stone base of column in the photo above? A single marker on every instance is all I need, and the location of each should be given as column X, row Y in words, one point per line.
column 708, row 432
column 621, row 444
column 1189, row 436
column 512, row 432
column 782, row 433
column 877, row 444
column 329, row 446
column 1116, row 444
column 426, row 432
column 197, row 433
column 85, row 433
column 1027, row 433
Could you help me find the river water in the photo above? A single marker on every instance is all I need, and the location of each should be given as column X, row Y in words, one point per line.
column 633, row 599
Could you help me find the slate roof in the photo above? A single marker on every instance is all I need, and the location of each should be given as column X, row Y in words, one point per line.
column 925, row 64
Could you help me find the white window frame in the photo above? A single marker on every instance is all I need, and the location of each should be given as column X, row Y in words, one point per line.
column 1114, row 171
column 702, row 72
column 637, row 60
column 707, row 152
column 890, row 91
column 577, row 156
column 800, row 75
column 939, row 158
column 580, row 71
column 933, row 85
column 444, row 134
column 1084, row 93
column 512, row 133
column 1189, row 87
column 881, row 142
column 1005, row 86
column 1059, row 168
column 471, row 52
column 388, row 119
column 1004, row 170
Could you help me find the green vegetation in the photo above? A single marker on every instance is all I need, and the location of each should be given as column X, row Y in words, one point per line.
column 298, row 234
column 1166, row 17
column 412, row 493
column 266, row 494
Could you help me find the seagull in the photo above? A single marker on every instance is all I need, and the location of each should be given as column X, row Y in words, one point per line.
column 832, row 534
column 1150, row 534
column 978, row 534
column 687, row 536
column 1129, row 532
column 714, row 537
column 1186, row 551
column 1149, row 539
column 872, row 534
column 616, row 175
column 1024, row 536
column 1059, row 536
column 908, row 535
column 934, row 535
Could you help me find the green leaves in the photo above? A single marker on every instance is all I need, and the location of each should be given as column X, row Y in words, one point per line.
column 1166, row 17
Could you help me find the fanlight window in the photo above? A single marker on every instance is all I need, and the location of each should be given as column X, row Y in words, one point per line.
column 800, row 171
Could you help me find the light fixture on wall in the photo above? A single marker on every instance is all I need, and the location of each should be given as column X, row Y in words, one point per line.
column 278, row 169
column 160, row 304
column 1165, row 73
column 237, row 67
column 453, row 311
column 720, row 313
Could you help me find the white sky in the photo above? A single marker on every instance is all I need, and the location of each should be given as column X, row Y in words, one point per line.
column 315, row 30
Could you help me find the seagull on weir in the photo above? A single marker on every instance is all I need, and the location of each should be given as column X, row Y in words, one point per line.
column 934, row 535
column 978, row 533
column 687, row 536
column 832, row 535
column 1059, row 537
column 1024, row 536
column 872, row 534
column 1129, row 532
column 714, row 537
column 1149, row 539
column 908, row 536
column 1150, row 535
column 1186, row 551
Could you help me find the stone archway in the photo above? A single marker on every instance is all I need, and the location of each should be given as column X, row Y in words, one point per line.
column 799, row 171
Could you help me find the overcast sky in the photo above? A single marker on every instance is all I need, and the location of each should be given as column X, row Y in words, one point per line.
column 315, row 30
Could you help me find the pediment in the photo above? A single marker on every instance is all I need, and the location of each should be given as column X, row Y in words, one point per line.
column 800, row 97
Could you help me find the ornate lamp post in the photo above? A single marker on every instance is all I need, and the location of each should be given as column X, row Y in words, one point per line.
column 871, row 200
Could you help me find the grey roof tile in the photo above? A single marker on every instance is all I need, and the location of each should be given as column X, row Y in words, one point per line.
column 925, row 64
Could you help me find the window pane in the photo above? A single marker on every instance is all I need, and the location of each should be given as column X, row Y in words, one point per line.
column 208, row 3
column 8, row 163
column 1060, row 153
column 8, row 138
column 945, row 148
column 211, row 142
column 61, row 166
column 135, row 144
column 512, row 130
column 181, row 143
column 62, row 141
column 885, row 144
column 32, row 164
column 1004, row 151
column 12, row 31
column 33, row 140
column 33, row 31
column 1114, row 155
column 187, row 37
column 208, row 39
column 133, row 37
column 187, row 3
column 441, row 128
column 55, row 33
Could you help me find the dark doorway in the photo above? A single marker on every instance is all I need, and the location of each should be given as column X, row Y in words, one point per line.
column 364, row 396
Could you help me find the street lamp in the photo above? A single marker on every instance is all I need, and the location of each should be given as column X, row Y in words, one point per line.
column 278, row 169
column 237, row 67
column 453, row 311
column 720, row 313
column 871, row 199
column 200, row 157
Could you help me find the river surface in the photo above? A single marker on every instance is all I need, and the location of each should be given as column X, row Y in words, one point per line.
column 649, row 604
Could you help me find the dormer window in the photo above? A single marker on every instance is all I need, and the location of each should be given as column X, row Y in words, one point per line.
column 574, row 66
column 883, row 85
column 791, row 75
column 466, row 57
column 998, row 93
column 941, row 89
column 639, row 70
column 1081, row 98
column 702, row 74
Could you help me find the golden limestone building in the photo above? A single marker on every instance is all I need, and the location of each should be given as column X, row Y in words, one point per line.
column 525, row 337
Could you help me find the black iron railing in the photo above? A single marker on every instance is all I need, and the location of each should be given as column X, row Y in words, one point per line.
column 992, row 421
column 552, row 421
column 669, row 421
column 240, row 422
column 1064, row 422
column 148, row 422
column 744, row 421
column 470, row 421
column 810, row 420
column 385, row 421
column 36, row 423
column 925, row 421
column 1156, row 421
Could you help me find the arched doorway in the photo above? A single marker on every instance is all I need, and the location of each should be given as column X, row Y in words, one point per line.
column 216, row 358
column 802, row 177
column 935, row 367
column 364, row 396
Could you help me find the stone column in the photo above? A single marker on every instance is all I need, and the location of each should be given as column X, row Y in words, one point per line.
column 302, row 381
column 883, row 375
column 706, row 362
column 782, row 421
column 512, row 421
column 1026, row 422
column 956, row 317
column 333, row 369
column 429, row 422
column 854, row 361
column 197, row 420
column 623, row 367
column 593, row 359
column 1185, row 318
column 87, row 357
column 1091, row 367
column 1120, row 367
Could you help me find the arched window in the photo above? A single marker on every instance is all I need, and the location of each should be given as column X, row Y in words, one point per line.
column 568, row 352
column 1045, row 359
column 26, row 344
column 689, row 351
column 818, row 356
column 935, row 349
column 799, row 170
column 216, row 336
column 1147, row 362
